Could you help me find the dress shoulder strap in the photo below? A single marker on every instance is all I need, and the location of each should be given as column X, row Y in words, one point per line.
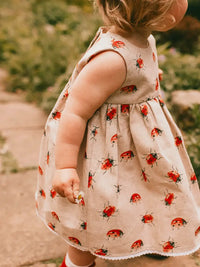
column 102, row 42
column 107, row 41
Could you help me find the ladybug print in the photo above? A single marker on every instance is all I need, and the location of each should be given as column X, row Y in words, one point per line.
column 53, row 193
column 48, row 158
column 94, row 132
column 107, row 164
column 152, row 158
column 42, row 193
column 52, row 226
column 156, row 132
column 115, row 233
column 174, row 176
column 118, row 188
column 127, row 155
column 54, row 214
column 117, row 44
column 157, row 84
column 109, row 211
column 111, row 113
column 101, row 252
column 66, row 94
column 148, row 218
column 154, row 57
column 178, row 222
column 56, row 115
column 135, row 198
column 82, row 201
column 125, row 109
column 40, row 170
column 168, row 246
column 161, row 101
column 139, row 63
column 197, row 231
column 144, row 110
column 160, row 76
column 178, row 141
column 74, row 240
column 129, row 89
column 144, row 176
column 84, row 225
column 169, row 199
column 90, row 180
column 193, row 178
column 137, row 244
column 114, row 138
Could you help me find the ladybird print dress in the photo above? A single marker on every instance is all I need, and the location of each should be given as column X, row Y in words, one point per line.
column 141, row 194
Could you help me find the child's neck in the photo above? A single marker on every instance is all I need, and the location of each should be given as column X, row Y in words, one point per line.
column 137, row 37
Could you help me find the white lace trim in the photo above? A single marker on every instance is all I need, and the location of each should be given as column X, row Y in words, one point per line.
column 122, row 257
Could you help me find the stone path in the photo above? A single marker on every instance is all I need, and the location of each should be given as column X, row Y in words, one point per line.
column 25, row 241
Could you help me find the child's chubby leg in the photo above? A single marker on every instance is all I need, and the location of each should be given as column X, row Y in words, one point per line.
column 76, row 257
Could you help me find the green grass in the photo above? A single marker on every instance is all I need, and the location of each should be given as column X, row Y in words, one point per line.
column 56, row 261
column 9, row 163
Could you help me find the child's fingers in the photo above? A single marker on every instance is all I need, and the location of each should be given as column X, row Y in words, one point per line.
column 69, row 194
column 76, row 188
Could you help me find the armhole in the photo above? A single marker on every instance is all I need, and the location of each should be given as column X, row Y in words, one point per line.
column 114, row 51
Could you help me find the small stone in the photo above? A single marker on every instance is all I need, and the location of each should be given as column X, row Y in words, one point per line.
column 185, row 98
column 182, row 103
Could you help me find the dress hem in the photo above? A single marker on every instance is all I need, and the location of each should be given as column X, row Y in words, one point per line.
column 121, row 257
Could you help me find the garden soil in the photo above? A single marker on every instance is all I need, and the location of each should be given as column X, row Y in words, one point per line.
column 25, row 241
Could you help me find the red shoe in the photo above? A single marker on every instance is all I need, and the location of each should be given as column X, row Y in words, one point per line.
column 64, row 265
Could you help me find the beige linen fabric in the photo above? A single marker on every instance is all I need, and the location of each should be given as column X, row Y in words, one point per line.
column 140, row 191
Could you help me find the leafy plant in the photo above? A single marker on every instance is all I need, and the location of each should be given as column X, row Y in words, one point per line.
column 44, row 42
column 184, row 36
column 181, row 72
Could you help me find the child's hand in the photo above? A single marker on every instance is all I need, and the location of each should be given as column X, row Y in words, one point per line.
column 66, row 183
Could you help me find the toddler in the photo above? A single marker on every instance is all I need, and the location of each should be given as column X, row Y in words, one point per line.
column 115, row 180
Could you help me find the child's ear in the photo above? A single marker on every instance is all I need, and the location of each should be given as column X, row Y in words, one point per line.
column 171, row 21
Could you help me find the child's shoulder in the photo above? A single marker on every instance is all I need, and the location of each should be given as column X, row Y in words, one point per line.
column 106, row 53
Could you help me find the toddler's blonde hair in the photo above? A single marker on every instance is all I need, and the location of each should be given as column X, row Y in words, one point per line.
column 131, row 14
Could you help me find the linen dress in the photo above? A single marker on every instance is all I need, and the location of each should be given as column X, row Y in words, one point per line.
column 141, row 194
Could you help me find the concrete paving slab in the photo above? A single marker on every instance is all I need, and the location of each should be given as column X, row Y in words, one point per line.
column 24, row 145
column 24, row 238
column 20, row 115
column 23, row 128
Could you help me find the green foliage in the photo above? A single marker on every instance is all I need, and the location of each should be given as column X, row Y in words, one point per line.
column 193, row 138
column 45, row 41
column 194, row 8
column 49, row 11
column 181, row 72
column 184, row 36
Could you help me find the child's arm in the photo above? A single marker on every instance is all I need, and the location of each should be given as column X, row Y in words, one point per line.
column 104, row 74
